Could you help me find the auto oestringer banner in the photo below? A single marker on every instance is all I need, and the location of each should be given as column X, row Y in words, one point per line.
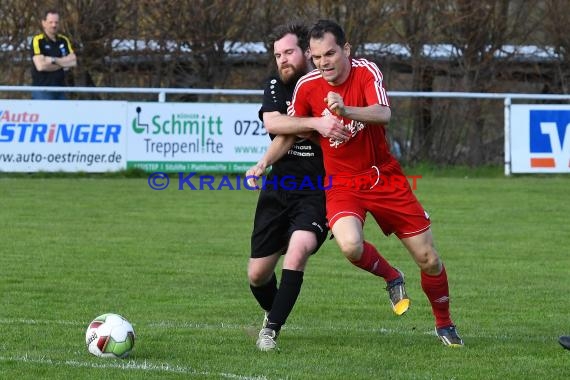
column 67, row 136
column 100, row 136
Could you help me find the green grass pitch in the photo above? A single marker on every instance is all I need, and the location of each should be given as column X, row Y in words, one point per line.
column 174, row 263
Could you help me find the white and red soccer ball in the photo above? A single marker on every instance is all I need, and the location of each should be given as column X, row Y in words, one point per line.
column 110, row 336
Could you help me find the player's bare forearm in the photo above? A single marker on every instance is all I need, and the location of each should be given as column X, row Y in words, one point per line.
column 327, row 126
column 277, row 149
column 375, row 114
column 280, row 124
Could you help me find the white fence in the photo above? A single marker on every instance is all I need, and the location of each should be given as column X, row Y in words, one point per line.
column 538, row 142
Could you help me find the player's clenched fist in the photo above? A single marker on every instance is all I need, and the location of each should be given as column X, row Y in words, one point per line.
column 335, row 103
column 253, row 174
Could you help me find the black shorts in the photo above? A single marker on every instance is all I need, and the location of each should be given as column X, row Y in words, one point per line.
column 279, row 213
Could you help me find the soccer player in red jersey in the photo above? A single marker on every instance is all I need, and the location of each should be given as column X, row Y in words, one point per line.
column 362, row 167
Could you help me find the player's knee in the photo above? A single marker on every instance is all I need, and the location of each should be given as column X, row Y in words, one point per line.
column 258, row 276
column 351, row 249
column 429, row 261
column 297, row 264
column 432, row 266
column 297, row 259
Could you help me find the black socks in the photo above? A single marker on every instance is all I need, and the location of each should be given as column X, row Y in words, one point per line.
column 265, row 294
column 285, row 299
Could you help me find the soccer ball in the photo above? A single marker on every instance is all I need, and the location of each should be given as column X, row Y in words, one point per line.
column 110, row 336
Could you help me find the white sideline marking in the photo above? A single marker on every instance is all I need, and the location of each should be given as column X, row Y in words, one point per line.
column 38, row 322
column 214, row 326
column 203, row 326
column 144, row 366
column 230, row 326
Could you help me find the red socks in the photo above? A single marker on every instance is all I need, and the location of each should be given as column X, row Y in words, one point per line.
column 436, row 287
column 371, row 261
column 437, row 292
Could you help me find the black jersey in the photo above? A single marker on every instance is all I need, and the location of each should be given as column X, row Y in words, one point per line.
column 41, row 44
column 304, row 161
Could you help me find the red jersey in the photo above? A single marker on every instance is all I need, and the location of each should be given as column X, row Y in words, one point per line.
column 367, row 145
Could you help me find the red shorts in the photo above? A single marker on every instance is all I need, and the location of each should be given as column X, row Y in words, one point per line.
column 385, row 193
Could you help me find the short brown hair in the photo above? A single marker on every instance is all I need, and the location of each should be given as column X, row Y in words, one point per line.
column 297, row 28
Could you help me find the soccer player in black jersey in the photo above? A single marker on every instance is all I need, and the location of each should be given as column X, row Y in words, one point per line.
column 290, row 216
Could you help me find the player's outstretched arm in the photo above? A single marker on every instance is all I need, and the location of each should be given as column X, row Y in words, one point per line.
column 280, row 124
column 277, row 149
